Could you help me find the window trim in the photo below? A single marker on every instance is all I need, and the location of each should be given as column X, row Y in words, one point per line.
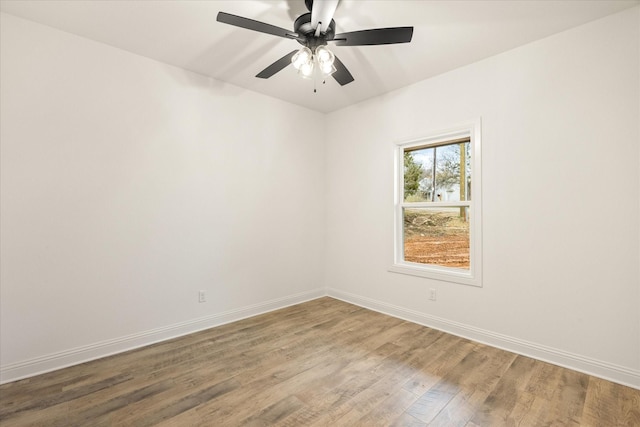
column 472, row 276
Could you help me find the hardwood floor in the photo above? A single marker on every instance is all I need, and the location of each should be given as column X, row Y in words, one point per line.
column 321, row 363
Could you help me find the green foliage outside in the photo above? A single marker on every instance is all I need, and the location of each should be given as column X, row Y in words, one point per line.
column 413, row 173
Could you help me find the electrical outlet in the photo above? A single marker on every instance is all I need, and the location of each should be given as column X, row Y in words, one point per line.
column 202, row 296
column 432, row 294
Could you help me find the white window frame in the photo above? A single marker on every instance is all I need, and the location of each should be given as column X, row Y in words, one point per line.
column 473, row 275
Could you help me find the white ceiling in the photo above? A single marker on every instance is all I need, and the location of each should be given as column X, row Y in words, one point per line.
column 447, row 35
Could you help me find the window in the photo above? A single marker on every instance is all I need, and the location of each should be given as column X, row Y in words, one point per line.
column 437, row 206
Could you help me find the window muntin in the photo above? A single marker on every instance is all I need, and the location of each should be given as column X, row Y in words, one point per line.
column 437, row 231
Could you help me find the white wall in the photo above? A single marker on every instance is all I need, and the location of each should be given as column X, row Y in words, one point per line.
column 128, row 185
column 561, row 277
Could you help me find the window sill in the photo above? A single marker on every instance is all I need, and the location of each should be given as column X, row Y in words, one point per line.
column 453, row 275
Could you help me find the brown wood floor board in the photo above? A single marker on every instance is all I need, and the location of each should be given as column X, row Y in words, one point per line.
column 444, row 355
column 388, row 410
column 538, row 398
column 276, row 382
column 332, row 397
column 362, row 387
column 321, row 363
column 406, row 420
column 355, row 402
column 176, row 407
column 370, row 401
column 55, row 398
column 612, row 402
column 475, row 388
column 274, row 413
column 568, row 402
column 459, row 379
column 291, row 377
column 498, row 406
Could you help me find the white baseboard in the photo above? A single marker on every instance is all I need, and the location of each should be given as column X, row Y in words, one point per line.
column 52, row 362
column 597, row 368
column 75, row 356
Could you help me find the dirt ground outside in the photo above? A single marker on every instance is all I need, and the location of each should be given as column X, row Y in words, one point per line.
column 436, row 237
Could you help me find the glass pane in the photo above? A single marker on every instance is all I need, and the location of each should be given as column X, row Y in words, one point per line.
column 451, row 175
column 438, row 236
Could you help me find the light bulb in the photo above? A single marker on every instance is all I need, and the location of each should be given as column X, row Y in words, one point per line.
column 327, row 68
column 324, row 55
column 306, row 69
column 301, row 57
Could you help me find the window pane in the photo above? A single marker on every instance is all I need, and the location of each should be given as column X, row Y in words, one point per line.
column 451, row 175
column 437, row 236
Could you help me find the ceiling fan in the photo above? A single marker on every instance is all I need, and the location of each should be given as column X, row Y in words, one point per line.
column 313, row 30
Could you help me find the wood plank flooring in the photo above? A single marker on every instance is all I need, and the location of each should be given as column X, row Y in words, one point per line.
column 320, row 363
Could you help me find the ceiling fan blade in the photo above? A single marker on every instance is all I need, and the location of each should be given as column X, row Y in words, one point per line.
column 279, row 65
column 342, row 75
column 375, row 36
column 258, row 26
column 322, row 13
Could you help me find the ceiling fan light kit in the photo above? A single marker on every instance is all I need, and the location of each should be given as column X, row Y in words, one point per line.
column 306, row 62
column 310, row 31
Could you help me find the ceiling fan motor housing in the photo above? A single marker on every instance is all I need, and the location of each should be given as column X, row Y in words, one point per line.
column 302, row 26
